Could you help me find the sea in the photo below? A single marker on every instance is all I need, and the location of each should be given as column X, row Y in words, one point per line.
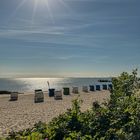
column 30, row 84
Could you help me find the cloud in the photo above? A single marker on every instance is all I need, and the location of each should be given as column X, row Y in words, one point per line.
column 15, row 33
column 70, row 57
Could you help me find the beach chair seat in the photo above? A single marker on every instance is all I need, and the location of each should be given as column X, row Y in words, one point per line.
column 66, row 91
column 85, row 89
column 58, row 95
column 39, row 96
column 14, row 96
column 75, row 90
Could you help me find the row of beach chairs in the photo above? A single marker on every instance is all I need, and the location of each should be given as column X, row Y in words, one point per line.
column 66, row 91
column 39, row 95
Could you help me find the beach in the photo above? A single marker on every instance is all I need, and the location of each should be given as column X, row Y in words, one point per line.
column 24, row 113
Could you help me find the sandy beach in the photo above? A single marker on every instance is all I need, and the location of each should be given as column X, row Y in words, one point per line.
column 24, row 113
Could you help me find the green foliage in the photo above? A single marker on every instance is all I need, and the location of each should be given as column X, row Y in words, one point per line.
column 118, row 119
column 124, row 85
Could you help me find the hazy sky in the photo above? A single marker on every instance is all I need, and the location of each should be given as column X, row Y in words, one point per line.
column 69, row 37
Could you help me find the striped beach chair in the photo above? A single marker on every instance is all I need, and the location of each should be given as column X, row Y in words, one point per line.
column 58, row 95
column 14, row 96
column 39, row 96
column 75, row 90
column 85, row 88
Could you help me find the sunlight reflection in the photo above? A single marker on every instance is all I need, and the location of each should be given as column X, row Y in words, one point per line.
column 40, row 4
column 49, row 11
column 34, row 10
column 17, row 8
column 65, row 5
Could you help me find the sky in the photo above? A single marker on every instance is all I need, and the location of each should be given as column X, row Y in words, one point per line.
column 69, row 38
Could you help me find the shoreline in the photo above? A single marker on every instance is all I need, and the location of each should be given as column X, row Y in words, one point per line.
column 24, row 113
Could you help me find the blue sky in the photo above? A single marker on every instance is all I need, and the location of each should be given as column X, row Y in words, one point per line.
column 69, row 38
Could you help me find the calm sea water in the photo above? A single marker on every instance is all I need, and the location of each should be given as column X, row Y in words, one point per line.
column 30, row 84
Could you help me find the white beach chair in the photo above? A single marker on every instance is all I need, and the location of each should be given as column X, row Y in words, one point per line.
column 75, row 90
column 14, row 96
column 39, row 96
column 58, row 95
column 85, row 89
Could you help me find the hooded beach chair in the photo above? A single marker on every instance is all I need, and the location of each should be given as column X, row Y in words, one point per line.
column 58, row 95
column 39, row 96
column 110, row 87
column 75, row 90
column 51, row 92
column 66, row 91
column 92, row 88
column 98, row 87
column 85, row 89
column 104, row 87
column 14, row 96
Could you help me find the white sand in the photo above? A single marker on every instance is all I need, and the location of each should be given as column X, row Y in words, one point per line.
column 24, row 113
